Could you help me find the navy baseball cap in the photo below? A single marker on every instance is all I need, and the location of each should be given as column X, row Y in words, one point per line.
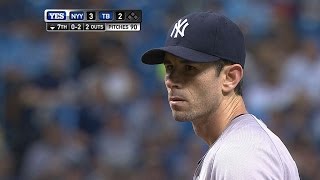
column 201, row 37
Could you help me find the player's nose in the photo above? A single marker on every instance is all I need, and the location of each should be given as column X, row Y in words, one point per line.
column 172, row 80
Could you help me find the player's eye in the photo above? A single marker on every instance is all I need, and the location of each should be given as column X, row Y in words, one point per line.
column 189, row 68
column 169, row 67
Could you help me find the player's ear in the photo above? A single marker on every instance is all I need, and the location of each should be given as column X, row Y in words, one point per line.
column 232, row 74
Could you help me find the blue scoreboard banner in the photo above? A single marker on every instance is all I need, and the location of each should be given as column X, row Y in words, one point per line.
column 100, row 20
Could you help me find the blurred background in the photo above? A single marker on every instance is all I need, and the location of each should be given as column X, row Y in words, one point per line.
column 81, row 106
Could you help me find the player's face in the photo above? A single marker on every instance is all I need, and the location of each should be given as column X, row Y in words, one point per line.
column 194, row 90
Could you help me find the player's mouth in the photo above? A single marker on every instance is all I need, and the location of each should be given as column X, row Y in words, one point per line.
column 176, row 101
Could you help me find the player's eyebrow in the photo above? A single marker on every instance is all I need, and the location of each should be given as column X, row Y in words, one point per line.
column 166, row 61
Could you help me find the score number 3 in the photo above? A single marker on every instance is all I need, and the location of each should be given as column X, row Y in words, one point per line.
column 91, row 15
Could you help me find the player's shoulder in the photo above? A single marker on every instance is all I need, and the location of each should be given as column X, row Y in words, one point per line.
column 247, row 129
column 249, row 134
column 248, row 150
column 250, row 147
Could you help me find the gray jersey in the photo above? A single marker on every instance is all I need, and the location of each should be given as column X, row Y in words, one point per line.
column 247, row 149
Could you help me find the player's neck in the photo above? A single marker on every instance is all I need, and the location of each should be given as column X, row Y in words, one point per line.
column 210, row 128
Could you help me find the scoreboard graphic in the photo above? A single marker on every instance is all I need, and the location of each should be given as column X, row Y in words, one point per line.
column 90, row 20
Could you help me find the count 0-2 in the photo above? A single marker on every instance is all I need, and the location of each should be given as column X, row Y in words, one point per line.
column 76, row 26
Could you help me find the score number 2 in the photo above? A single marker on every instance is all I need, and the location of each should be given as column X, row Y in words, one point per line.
column 120, row 15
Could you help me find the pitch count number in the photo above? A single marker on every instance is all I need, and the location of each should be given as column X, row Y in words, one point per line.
column 134, row 26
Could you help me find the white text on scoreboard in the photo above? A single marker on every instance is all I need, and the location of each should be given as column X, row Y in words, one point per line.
column 122, row 26
column 97, row 27
column 83, row 20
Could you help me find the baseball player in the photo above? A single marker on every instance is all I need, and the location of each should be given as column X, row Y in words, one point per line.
column 204, row 58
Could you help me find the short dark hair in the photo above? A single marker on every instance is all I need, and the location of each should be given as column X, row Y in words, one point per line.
column 219, row 66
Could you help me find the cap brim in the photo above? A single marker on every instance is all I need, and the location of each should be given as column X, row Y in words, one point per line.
column 156, row 56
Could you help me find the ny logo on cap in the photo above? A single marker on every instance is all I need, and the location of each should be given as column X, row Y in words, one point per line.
column 179, row 28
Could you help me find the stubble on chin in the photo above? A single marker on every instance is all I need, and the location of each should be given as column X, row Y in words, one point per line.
column 182, row 116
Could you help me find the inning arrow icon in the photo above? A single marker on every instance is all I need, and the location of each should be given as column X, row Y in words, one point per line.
column 52, row 27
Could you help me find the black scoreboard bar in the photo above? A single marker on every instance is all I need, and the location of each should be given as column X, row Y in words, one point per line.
column 86, row 20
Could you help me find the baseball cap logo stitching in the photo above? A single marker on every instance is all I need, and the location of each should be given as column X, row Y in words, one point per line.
column 179, row 28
